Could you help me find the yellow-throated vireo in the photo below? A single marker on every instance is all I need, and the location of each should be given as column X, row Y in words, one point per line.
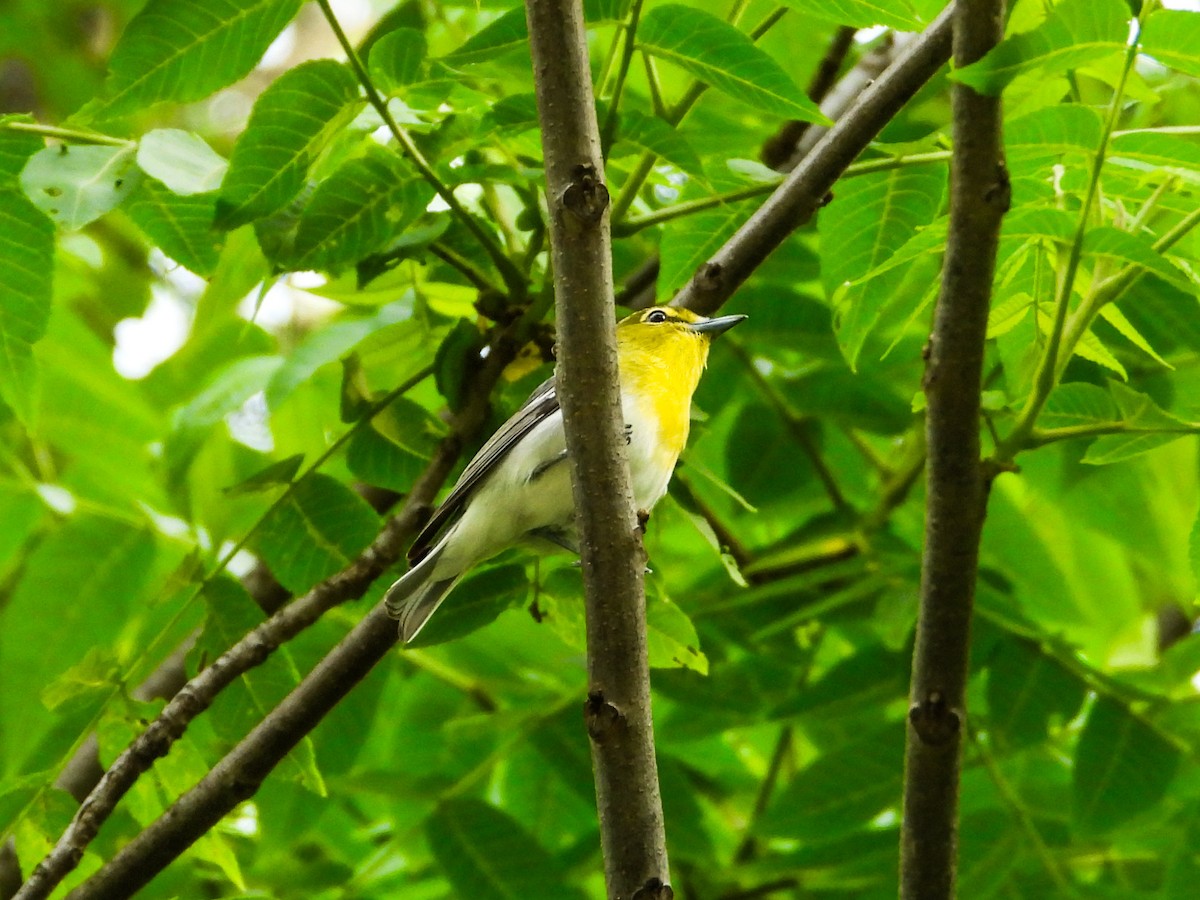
column 517, row 491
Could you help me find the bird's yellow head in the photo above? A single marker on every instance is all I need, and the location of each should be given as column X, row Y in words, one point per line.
column 668, row 347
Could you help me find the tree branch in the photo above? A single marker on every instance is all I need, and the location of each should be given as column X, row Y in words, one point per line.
column 618, row 706
column 808, row 186
column 956, row 489
column 254, row 648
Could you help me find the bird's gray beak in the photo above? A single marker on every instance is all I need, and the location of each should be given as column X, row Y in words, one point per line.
column 716, row 326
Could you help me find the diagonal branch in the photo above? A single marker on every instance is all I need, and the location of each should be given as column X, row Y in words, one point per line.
column 251, row 651
column 807, row 187
column 956, row 485
column 239, row 774
column 618, row 706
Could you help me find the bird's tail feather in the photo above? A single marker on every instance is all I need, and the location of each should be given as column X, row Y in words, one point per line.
column 415, row 597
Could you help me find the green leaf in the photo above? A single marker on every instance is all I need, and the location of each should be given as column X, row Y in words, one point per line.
column 869, row 220
column 26, row 267
column 1133, row 249
column 475, row 602
column 646, row 132
column 487, row 855
column 184, row 50
column 902, row 15
column 1150, row 427
column 842, row 790
column 1122, row 767
column 719, row 55
column 91, row 606
column 1027, row 692
column 180, row 226
column 455, row 358
column 1078, row 403
column 280, row 472
column 506, row 33
column 181, row 160
column 1053, row 131
column 355, row 211
column 1114, row 317
column 671, row 638
column 1152, row 150
column 689, row 243
column 1075, row 33
column 511, row 30
column 75, row 185
column 1173, row 38
column 318, row 530
column 397, row 59
column 292, row 121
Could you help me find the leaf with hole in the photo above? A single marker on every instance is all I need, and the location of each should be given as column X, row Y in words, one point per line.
column 75, row 185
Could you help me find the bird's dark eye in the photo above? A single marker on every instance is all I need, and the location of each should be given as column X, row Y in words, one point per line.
column 656, row 316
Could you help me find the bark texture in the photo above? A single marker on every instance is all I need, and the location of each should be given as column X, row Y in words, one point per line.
column 617, row 710
column 956, row 485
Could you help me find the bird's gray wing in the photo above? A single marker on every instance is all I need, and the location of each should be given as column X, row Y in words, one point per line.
column 542, row 403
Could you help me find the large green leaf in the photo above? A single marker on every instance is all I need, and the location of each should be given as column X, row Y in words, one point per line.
column 320, row 527
column 718, row 54
column 486, row 855
column 180, row 226
column 651, row 133
column 292, row 120
column 397, row 59
column 26, row 264
column 90, row 603
column 842, row 790
column 902, row 15
column 184, row 50
column 1173, row 38
column 1078, row 403
column 1076, row 32
column 1123, row 767
column 869, row 220
column 1027, row 692
column 355, row 211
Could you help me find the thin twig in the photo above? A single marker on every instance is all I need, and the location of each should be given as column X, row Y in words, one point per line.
column 609, row 130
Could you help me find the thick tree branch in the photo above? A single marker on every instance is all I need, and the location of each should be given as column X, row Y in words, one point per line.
column 956, row 487
column 199, row 693
column 809, row 184
column 618, row 706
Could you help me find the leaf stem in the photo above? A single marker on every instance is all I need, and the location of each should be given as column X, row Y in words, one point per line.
column 73, row 135
column 513, row 279
column 609, row 129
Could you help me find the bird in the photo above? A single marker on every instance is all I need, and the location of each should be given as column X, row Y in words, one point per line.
column 517, row 489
